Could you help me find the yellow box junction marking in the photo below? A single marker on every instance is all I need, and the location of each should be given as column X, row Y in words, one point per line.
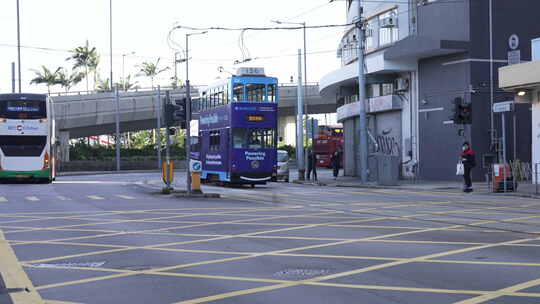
column 3, row 199
column 15, row 277
column 32, row 198
column 95, row 197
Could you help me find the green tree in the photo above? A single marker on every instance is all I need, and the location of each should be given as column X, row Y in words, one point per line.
column 151, row 70
column 45, row 76
column 126, row 84
column 103, row 85
column 67, row 80
column 85, row 57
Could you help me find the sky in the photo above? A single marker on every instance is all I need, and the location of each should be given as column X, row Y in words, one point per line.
column 50, row 28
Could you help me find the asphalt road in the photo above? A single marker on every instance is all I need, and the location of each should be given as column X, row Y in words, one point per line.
column 113, row 239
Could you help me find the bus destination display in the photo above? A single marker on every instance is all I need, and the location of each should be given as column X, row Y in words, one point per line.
column 17, row 106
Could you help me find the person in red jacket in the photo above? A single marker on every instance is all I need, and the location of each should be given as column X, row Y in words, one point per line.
column 469, row 162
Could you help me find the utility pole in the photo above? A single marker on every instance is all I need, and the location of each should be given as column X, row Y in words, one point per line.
column 158, row 128
column 299, row 124
column 364, row 169
column 110, row 40
column 118, row 140
column 188, row 119
column 491, row 90
column 19, row 46
column 168, row 146
column 13, row 77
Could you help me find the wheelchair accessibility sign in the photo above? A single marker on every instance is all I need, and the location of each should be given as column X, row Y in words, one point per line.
column 195, row 166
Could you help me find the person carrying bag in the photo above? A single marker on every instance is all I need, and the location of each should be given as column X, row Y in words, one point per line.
column 467, row 163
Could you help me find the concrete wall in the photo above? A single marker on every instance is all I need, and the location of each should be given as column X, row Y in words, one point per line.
column 444, row 20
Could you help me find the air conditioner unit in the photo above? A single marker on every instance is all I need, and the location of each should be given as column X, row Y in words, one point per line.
column 402, row 85
column 388, row 22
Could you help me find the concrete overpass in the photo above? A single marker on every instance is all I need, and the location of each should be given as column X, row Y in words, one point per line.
column 95, row 114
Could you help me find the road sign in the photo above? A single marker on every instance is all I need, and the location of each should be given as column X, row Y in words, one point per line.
column 501, row 107
column 513, row 42
column 514, row 57
column 312, row 127
column 195, row 166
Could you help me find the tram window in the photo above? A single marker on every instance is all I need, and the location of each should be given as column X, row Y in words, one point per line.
column 240, row 138
column 272, row 93
column 215, row 140
column 262, row 139
column 256, row 92
column 238, row 92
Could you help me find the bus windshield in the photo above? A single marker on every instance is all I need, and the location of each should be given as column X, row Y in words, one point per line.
column 12, row 145
column 23, row 109
column 244, row 138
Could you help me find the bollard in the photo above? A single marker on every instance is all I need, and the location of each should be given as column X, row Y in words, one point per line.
column 196, row 182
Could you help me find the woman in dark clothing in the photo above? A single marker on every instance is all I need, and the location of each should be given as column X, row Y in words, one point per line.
column 312, row 165
column 336, row 161
column 469, row 162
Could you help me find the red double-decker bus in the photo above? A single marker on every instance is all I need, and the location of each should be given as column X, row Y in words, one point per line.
column 326, row 143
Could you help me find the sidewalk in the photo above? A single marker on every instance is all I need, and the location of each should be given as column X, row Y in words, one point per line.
column 325, row 178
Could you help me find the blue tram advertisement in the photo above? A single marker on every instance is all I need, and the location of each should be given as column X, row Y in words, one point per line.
column 238, row 129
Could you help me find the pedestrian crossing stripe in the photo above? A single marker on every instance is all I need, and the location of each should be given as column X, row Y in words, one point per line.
column 32, row 198
column 126, row 197
column 3, row 199
column 63, row 198
column 95, row 197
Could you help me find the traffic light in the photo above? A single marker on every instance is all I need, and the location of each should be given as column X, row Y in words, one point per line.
column 175, row 113
column 461, row 112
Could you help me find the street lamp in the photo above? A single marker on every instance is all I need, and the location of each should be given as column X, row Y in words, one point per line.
column 19, row 46
column 188, row 111
column 110, row 41
column 303, row 24
column 123, row 64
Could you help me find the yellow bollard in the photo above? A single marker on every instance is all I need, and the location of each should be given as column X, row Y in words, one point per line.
column 196, row 182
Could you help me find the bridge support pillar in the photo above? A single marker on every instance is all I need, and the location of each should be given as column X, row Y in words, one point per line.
column 63, row 148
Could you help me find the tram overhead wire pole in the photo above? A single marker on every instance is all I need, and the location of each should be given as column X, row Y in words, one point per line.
column 188, row 112
column 364, row 169
column 19, row 46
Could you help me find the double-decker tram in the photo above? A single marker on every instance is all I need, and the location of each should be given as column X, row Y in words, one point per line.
column 238, row 129
column 26, row 137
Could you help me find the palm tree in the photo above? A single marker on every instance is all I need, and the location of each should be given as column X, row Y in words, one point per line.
column 46, row 77
column 150, row 69
column 87, row 58
column 103, row 85
column 67, row 80
column 126, row 84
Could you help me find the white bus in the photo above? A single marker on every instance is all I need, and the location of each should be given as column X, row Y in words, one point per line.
column 27, row 137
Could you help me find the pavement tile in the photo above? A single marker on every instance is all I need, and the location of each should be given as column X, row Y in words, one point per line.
column 135, row 239
column 461, row 236
column 144, row 289
column 380, row 249
column 250, row 244
column 280, row 267
column 49, row 275
column 144, row 259
column 30, row 252
column 445, row 276
column 227, row 229
column 515, row 254
column 338, row 232
column 337, row 295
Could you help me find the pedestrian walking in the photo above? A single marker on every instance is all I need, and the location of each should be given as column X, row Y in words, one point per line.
column 336, row 161
column 468, row 159
column 312, row 166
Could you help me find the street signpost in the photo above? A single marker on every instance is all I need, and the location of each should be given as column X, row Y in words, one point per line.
column 503, row 108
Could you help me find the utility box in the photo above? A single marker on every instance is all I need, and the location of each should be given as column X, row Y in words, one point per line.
column 388, row 170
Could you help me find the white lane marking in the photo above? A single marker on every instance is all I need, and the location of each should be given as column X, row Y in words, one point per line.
column 32, row 198
column 126, row 197
column 63, row 198
column 3, row 199
column 95, row 197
